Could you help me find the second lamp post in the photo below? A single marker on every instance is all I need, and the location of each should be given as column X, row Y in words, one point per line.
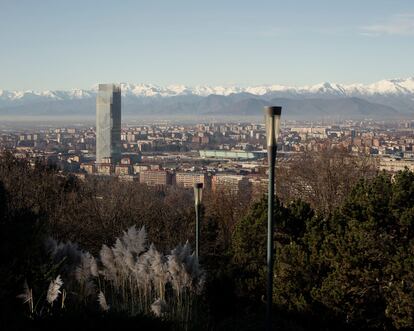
column 198, row 194
column 272, row 122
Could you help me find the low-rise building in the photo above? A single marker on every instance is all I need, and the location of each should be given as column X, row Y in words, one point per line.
column 230, row 183
column 232, row 155
column 139, row 167
column 156, row 177
column 188, row 179
column 123, row 169
column 104, row 168
column 395, row 165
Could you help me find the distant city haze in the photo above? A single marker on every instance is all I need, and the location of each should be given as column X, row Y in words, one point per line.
column 59, row 45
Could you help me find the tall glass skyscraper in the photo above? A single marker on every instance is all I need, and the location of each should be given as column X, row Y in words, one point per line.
column 108, row 123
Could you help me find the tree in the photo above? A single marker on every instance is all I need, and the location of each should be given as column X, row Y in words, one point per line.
column 370, row 275
column 249, row 248
column 322, row 179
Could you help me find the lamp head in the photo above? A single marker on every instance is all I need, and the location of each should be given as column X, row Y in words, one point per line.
column 198, row 185
column 198, row 193
column 272, row 122
column 273, row 111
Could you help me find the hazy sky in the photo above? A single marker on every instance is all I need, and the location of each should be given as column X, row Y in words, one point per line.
column 62, row 44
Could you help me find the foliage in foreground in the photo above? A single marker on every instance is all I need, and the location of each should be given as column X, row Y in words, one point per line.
column 354, row 266
column 131, row 278
column 348, row 266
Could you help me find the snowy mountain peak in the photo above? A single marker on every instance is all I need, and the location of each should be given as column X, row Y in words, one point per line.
column 391, row 87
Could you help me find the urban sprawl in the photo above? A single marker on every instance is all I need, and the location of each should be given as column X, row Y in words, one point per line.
column 220, row 155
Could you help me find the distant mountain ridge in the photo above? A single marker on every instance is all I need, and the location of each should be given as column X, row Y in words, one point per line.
column 395, row 87
column 383, row 99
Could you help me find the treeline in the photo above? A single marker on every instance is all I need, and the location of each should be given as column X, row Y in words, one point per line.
column 344, row 250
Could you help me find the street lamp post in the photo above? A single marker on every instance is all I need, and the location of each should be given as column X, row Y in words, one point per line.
column 272, row 122
column 198, row 194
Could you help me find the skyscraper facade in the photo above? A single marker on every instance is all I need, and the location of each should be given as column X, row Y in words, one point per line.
column 108, row 124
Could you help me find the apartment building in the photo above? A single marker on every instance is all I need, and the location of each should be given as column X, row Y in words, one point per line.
column 188, row 179
column 230, row 183
column 156, row 177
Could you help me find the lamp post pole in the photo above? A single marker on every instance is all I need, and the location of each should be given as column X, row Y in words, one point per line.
column 198, row 187
column 272, row 131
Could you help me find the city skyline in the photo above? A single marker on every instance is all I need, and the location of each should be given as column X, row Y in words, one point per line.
column 62, row 45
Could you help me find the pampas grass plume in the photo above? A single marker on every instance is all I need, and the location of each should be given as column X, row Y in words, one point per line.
column 54, row 289
column 102, row 301
column 159, row 307
column 27, row 296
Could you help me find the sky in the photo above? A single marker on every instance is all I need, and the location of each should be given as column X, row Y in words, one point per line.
column 64, row 44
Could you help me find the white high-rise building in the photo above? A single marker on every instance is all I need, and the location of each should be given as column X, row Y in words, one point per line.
column 108, row 124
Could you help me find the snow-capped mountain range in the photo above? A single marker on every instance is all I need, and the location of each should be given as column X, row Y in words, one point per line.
column 392, row 87
column 386, row 99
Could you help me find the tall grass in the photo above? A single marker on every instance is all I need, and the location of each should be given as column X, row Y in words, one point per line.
column 131, row 277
